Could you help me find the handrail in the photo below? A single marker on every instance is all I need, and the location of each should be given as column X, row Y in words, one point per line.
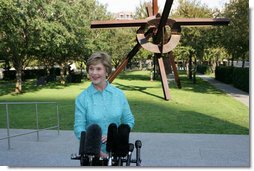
column 37, row 120
column 26, row 102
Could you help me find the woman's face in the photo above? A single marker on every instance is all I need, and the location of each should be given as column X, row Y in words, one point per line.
column 97, row 74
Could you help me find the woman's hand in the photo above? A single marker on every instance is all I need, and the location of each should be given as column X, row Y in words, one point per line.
column 104, row 139
column 103, row 155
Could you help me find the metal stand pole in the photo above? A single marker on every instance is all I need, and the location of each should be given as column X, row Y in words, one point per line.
column 8, row 127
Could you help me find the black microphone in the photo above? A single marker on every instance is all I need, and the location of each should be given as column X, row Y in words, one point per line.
column 131, row 148
column 93, row 140
column 123, row 140
column 82, row 143
column 138, row 145
column 111, row 141
column 111, row 138
column 81, row 148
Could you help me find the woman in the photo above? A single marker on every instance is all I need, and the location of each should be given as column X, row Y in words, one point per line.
column 101, row 103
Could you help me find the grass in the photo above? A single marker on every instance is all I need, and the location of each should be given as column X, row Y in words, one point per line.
column 196, row 108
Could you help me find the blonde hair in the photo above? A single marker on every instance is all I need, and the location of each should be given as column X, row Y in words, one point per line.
column 100, row 57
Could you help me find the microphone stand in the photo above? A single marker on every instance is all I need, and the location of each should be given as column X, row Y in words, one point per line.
column 110, row 159
column 131, row 148
column 120, row 161
column 90, row 159
column 138, row 146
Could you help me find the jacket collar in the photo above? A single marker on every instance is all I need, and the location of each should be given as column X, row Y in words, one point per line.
column 93, row 90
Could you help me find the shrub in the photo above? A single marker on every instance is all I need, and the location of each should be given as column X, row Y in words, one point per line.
column 74, row 78
column 241, row 78
column 224, row 74
column 9, row 75
column 202, row 69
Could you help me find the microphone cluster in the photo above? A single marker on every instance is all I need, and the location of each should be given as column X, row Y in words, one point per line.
column 117, row 142
column 90, row 147
column 118, row 147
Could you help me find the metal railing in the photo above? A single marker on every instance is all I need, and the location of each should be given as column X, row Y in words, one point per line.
column 37, row 120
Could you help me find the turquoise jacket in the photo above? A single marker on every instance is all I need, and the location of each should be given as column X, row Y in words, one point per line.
column 103, row 108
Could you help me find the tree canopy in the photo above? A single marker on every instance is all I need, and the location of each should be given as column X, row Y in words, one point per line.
column 56, row 31
column 52, row 31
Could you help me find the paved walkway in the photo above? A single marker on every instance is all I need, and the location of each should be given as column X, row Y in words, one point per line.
column 230, row 90
column 159, row 149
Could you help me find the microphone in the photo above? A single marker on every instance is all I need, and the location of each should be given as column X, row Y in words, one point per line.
column 111, row 141
column 131, row 148
column 81, row 148
column 82, row 143
column 111, row 138
column 123, row 140
column 92, row 146
column 138, row 145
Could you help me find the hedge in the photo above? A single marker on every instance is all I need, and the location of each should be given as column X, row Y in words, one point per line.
column 30, row 74
column 74, row 78
column 239, row 77
column 224, row 74
column 202, row 69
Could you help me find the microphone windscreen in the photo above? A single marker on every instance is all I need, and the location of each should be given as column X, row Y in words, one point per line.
column 93, row 140
column 111, row 138
column 123, row 140
column 138, row 144
column 82, row 143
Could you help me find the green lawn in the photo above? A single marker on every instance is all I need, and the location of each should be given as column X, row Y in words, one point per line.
column 196, row 108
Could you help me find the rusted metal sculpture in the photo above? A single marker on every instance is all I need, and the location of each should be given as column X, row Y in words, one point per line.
column 162, row 43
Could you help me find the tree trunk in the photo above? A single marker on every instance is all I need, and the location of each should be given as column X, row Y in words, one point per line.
column 140, row 65
column 243, row 62
column 167, row 65
column 190, row 67
column 184, row 65
column 214, row 65
column 62, row 67
column 194, row 71
column 155, row 68
column 18, row 88
column 232, row 61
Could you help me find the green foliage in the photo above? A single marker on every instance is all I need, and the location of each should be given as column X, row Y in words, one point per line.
column 141, row 12
column 215, row 54
column 241, row 78
column 52, row 31
column 183, row 52
column 191, row 9
column 119, row 42
column 224, row 74
column 194, row 37
column 56, row 31
column 235, row 37
column 202, row 69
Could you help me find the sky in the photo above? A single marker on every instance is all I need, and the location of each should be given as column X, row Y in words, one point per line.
column 130, row 5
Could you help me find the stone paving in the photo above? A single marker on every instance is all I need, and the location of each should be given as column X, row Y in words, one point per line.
column 158, row 150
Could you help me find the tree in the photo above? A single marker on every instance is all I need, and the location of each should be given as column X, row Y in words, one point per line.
column 193, row 36
column 186, row 55
column 140, row 12
column 236, row 36
column 214, row 56
column 16, row 39
column 53, row 31
column 121, row 42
